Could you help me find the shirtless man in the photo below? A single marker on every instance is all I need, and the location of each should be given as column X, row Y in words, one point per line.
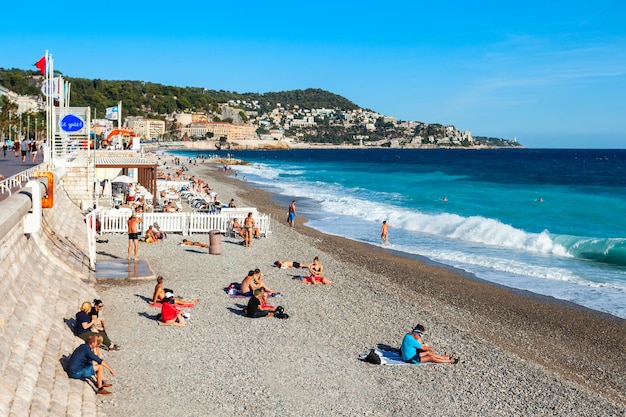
column 291, row 217
column 248, row 227
column 384, row 232
column 246, row 284
column 160, row 294
column 290, row 264
column 133, row 234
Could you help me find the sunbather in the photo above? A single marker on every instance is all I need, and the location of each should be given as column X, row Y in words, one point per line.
column 186, row 242
column 290, row 264
column 316, row 269
column 160, row 294
column 414, row 350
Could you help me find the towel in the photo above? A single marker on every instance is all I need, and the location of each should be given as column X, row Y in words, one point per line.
column 389, row 357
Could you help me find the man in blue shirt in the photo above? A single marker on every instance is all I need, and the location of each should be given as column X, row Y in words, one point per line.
column 414, row 350
column 84, row 363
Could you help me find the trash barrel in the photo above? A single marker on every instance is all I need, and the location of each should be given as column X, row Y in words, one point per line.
column 215, row 242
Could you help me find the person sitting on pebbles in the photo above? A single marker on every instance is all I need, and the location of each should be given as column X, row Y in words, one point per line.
column 170, row 314
column 151, row 236
column 414, row 350
column 258, row 307
column 160, row 294
column 316, row 269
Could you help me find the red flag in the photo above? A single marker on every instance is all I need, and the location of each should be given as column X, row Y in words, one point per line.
column 41, row 64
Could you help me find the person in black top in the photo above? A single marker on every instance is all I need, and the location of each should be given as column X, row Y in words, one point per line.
column 257, row 306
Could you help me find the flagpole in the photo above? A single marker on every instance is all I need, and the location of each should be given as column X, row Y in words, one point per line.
column 119, row 115
column 49, row 141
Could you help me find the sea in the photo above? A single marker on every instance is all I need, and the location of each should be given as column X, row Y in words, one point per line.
column 549, row 221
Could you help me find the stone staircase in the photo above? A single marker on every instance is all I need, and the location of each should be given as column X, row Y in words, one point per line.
column 44, row 279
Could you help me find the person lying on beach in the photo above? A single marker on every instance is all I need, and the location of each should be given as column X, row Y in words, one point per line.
column 170, row 313
column 186, row 242
column 316, row 269
column 160, row 294
column 290, row 264
column 258, row 307
column 414, row 350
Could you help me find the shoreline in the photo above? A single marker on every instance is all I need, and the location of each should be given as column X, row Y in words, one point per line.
column 519, row 355
column 557, row 321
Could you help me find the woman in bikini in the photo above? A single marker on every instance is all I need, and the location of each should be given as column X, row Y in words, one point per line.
column 248, row 227
column 316, row 269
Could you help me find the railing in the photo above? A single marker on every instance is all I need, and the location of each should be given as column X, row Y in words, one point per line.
column 18, row 180
column 115, row 221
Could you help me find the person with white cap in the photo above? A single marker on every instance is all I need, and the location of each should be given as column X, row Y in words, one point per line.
column 414, row 350
column 160, row 293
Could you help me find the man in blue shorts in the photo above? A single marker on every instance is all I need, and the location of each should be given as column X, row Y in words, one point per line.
column 84, row 364
column 291, row 217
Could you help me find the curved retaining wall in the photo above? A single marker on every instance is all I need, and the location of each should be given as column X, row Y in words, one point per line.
column 44, row 277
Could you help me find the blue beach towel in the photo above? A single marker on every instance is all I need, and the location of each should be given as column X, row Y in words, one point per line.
column 389, row 357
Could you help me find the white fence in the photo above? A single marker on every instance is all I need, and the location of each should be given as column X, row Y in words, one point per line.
column 115, row 221
column 19, row 179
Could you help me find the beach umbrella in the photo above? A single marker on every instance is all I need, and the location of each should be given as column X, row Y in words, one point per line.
column 124, row 179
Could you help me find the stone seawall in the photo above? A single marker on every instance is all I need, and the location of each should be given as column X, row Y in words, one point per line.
column 44, row 279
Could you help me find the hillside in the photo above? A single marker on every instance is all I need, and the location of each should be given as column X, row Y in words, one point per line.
column 295, row 112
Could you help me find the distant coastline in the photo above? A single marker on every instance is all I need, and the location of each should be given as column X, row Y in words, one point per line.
column 257, row 144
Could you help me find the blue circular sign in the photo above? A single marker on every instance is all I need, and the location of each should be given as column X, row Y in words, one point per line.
column 71, row 123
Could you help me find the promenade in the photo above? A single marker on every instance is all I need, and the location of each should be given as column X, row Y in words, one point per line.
column 11, row 165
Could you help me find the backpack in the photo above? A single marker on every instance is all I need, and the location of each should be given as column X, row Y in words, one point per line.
column 372, row 357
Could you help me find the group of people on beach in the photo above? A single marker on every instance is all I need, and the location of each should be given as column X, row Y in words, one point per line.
column 86, row 360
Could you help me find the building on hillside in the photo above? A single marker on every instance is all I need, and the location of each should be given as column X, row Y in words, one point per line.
column 24, row 103
column 241, row 131
column 146, row 128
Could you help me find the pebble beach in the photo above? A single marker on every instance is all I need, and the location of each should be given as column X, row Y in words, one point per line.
column 521, row 354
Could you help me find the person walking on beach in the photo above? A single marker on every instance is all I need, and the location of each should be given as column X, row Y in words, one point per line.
column 384, row 232
column 133, row 235
column 291, row 217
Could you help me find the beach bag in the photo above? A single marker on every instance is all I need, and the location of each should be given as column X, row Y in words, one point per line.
column 279, row 313
column 372, row 357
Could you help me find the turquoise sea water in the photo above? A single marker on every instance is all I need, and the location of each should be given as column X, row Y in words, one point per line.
column 547, row 221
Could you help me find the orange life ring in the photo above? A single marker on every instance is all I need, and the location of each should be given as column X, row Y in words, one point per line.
column 47, row 200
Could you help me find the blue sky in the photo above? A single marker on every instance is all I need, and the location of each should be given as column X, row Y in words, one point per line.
column 550, row 73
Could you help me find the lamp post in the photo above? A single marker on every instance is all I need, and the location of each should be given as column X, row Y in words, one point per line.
column 36, row 129
column 28, row 127
column 20, row 126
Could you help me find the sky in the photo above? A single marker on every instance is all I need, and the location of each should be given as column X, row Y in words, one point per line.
column 551, row 74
